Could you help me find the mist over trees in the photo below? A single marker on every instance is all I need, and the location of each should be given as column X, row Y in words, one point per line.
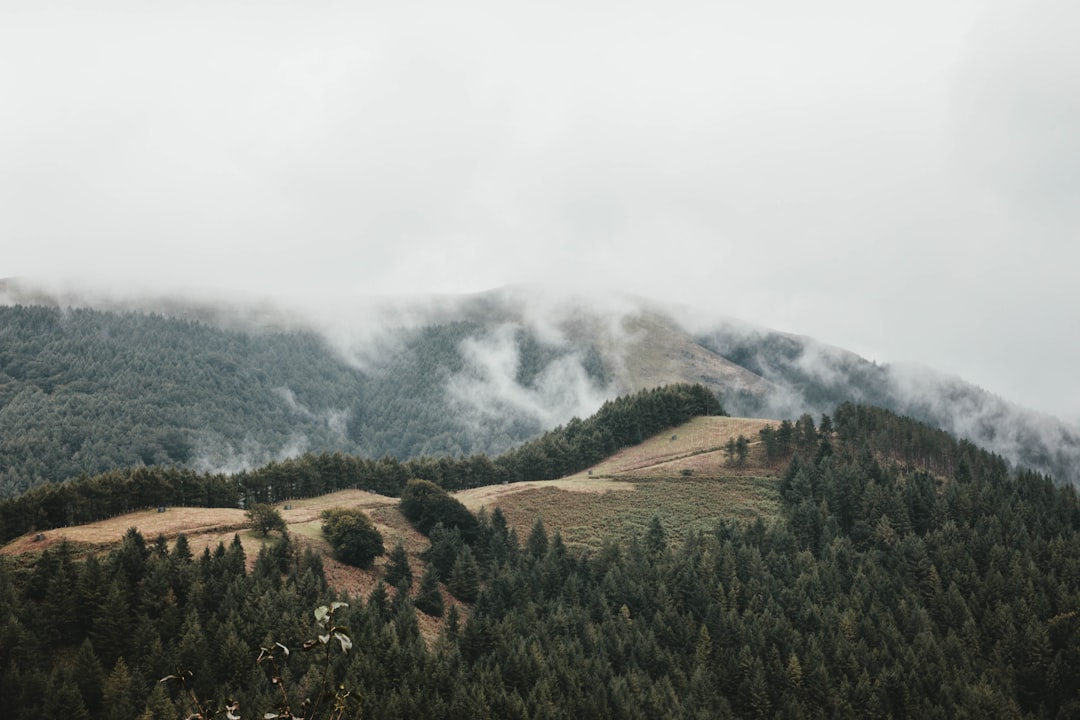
column 83, row 392
column 809, row 377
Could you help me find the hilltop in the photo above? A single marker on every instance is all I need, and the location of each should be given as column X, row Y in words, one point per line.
column 682, row 475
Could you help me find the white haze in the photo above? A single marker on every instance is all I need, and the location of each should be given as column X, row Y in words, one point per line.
column 899, row 179
column 488, row 389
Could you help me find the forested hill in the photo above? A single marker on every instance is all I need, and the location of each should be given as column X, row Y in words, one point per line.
column 83, row 392
column 880, row 591
column 226, row 387
column 619, row 423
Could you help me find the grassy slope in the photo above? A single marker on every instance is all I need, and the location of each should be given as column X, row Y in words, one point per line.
column 618, row 496
column 622, row 493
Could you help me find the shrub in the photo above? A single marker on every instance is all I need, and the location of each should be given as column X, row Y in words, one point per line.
column 426, row 505
column 353, row 536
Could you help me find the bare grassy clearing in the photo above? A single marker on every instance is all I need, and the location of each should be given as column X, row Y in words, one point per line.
column 682, row 505
column 682, row 476
column 151, row 523
column 703, row 436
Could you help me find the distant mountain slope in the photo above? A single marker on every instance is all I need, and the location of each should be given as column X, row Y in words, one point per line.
column 224, row 385
column 808, row 376
column 84, row 391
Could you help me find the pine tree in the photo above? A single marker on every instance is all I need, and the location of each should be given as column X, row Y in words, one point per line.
column 537, row 542
column 464, row 582
column 112, row 628
column 89, row 676
column 398, row 572
column 158, row 705
column 742, row 450
column 119, row 694
column 655, row 538
column 429, row 599
column 63, row 701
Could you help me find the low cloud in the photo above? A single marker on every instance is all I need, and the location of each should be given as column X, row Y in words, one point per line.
column 216, row 455
column 487, row 391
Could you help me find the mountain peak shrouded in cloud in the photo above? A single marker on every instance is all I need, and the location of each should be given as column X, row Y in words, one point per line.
column 448, row 374
column 894, row 179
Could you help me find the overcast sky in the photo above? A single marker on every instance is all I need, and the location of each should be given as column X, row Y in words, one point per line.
column 900, row 179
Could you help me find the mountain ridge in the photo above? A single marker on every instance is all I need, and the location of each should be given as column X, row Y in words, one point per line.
column 449, row 375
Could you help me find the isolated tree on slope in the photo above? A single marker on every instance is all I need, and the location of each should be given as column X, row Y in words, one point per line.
column 265, row 518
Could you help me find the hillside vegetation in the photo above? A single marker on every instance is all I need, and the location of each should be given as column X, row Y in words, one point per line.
column 83, row 392
column 614, row 498
column 901, row 574
column 220, row 388
column 575, row 446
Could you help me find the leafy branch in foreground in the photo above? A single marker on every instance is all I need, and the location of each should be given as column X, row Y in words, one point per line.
column 273, row 658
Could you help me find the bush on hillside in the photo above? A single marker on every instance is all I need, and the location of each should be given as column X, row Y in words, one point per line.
column 353, row 536
column 425, row 504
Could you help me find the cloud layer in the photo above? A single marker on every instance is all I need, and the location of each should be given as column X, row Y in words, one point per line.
column 899, row 181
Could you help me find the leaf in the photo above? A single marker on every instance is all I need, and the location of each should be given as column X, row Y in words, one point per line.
column 336, row 605
column 324, row 638
column 283, row 648
column 346, row 643
column 308, row 644
column 321, row 613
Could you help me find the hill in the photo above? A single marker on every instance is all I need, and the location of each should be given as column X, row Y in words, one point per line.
column 654, row 472
column 890, row 570
column 216, row 385
column 683, row 477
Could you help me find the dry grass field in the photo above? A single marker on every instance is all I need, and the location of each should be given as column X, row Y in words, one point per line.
column 683, row 476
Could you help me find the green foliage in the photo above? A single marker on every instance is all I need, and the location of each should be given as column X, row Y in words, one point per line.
column 537, row 542
column 85, row 392
column 619, row 423
column 736, row 450
column 429, row 599
column 446, row 545
column 655, row 537
column 265, row 518
column 426, row 505
column 353, row 536
column 464, row 582
column 398, row 573
column 881, row 586
column 567, row 449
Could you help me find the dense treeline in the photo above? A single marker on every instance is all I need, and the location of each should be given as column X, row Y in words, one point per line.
column 884, row 591
column 83, row 392
column 90, row 638
column 619, row 423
